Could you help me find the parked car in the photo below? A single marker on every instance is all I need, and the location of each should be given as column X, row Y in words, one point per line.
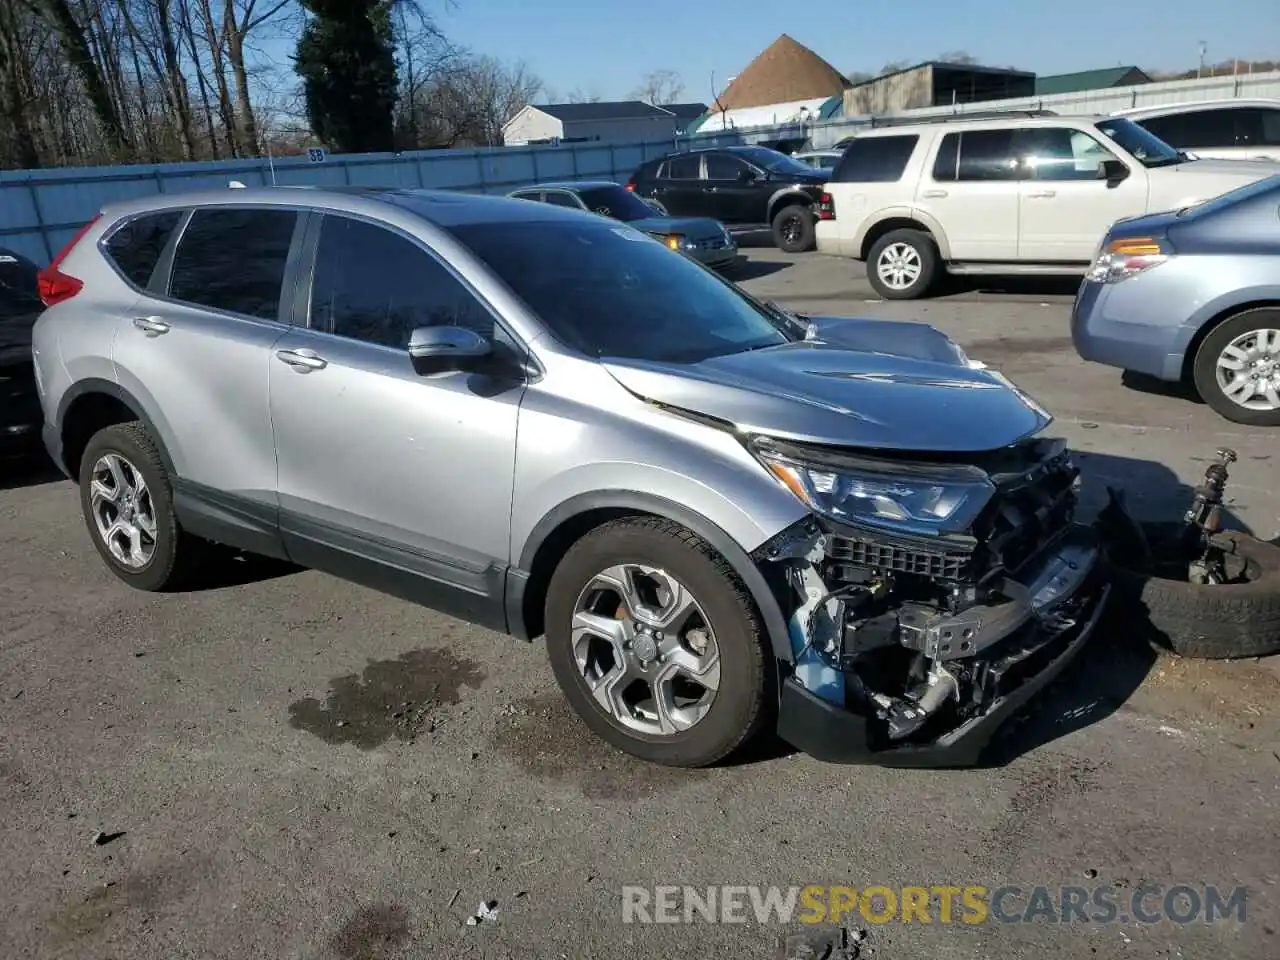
column 701, row 238
column 20, row 416
column 722, row 516
column 1193, row 295
column 746, row 187
column 999, row 196
column 823, row 160
column 1235, row 129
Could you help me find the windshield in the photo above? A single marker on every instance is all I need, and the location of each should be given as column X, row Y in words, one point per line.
column 773, row 161
column 616, row 202
column 1144, row 145
column 609, row 290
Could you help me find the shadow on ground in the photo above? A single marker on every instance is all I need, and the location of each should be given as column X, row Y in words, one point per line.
column 1015, row 286
column 1143, row 383
column 230, row 568
column 753, row 269
column 30, row 470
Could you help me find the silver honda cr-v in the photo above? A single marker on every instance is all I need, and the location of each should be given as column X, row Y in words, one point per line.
column 721, row 515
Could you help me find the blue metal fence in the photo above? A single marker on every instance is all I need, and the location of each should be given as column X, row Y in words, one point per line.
column 40, row 210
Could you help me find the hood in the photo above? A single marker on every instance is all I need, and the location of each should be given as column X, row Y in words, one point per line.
column 685, row 226
column 874, row 384
column 1244, row 169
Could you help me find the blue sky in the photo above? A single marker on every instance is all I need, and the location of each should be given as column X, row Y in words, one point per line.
column 606, row 46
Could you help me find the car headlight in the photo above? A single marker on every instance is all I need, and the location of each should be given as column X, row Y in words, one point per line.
column 930, row 499
column 674, row 242
column 1118, row 260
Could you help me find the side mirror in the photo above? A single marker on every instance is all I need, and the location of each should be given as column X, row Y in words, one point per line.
column 1112, row 171
column 434, row 349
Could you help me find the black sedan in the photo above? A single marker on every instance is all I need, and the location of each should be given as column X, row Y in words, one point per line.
column 20, row 415
column 700, row 238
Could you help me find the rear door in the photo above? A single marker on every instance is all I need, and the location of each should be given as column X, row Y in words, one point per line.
column 971, row 188
column 197, row 347
column 678, row 186
column 728, row 197
column 1065, row 207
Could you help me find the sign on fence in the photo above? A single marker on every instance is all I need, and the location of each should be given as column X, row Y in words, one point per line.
column 316, row 154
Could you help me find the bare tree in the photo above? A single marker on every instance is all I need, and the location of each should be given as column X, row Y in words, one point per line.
column 659, row 87
column 240, row 18
column 577, row 95
column 471, row 99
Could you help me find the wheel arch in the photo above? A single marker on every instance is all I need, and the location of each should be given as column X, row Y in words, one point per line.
column 89, row 406
column 900, row 221
column 1219, row 316
column 566, row 524
column 786, row 197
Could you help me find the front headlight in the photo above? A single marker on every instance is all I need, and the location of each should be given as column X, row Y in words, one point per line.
column 1121, row 259
column 928, row 499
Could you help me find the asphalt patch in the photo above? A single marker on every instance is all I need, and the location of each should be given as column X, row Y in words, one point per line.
column 390, row 698
column 549, row 741
column 374, row 932
column 138, row 895
column 1016, row 348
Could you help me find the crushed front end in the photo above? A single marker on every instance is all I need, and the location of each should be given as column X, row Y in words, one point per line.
column 928, row 601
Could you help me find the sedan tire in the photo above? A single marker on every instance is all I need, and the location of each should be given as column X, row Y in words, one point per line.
column 657, row 644
column 1237, row 368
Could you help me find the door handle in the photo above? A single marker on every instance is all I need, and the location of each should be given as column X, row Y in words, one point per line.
column 304, row 361
column 1042, row 194
column 151, row 326
column 934, row 194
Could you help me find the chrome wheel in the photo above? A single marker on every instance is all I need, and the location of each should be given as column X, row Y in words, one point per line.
column 646, row 650
column 899, row 266
column 123, row 511
column 1248, row 370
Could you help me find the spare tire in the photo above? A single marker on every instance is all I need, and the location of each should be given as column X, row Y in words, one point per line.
column 1210, row 621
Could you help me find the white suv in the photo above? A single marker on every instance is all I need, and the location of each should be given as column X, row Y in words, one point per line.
column 1236, row 129
column 1013, row 195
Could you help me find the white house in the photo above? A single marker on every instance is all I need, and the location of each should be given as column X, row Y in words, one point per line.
column 623, row 121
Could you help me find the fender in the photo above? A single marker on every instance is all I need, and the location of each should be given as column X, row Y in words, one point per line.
column 905, row 212
column 114, row 390
column 790, row 191
column 737, row 558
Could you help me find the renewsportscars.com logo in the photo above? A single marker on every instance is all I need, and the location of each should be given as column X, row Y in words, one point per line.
column 971, row 904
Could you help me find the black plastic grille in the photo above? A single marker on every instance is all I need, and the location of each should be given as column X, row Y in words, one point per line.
column 846, row 553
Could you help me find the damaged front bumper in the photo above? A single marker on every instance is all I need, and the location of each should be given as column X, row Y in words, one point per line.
column 987, row 661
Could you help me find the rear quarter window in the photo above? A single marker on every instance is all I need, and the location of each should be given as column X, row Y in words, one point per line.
column 875, row 159
column 135, row 247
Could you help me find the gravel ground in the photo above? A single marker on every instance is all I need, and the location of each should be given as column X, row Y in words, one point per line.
column 284, row 765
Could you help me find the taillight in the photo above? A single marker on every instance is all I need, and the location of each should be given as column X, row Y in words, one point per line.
column 826, row 207
column 1120, row 259
column 54, row 285
column 630, row 184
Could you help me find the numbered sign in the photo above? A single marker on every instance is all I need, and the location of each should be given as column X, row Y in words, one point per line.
column 316, row 154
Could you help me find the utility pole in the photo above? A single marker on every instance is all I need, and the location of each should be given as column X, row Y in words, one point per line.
column 1204, row 47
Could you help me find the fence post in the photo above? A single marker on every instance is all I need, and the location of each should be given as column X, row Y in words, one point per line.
column 484, row 178
column 613, row 163
column 44, row 234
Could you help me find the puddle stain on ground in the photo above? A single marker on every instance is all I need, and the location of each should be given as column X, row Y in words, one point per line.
column 391, row 698
column 374, row 932
column 139, row 894
column 545, row 737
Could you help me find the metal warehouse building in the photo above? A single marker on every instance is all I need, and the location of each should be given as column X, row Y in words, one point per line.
column 936, row 84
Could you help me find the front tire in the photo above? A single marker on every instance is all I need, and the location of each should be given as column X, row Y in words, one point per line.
column 127, row 501
column 1237, row 368
column 793, row 229
column 903, row 265
column 657, row 644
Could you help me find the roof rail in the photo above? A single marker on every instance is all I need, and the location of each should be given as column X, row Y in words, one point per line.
column 957, row 117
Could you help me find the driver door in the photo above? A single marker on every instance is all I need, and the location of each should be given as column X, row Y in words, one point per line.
column 386, row 476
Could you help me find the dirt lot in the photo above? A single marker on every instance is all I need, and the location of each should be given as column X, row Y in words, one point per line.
column 297, row 767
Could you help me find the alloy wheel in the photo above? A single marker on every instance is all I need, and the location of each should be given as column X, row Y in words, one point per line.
column 645, row 649
column 123, row 511
column 899, row 266
column 1248, row 370
column 792, row 229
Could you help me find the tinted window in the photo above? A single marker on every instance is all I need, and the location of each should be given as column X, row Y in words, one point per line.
column 772, row 160
column 1060, row 153
column 944, row 164
column 1200, row 128
column 721, row 166
column 610, row 291
column 1257, row 127
column 875, row 159
column 234, row 260
column 527, row 195
column 986, row 155
column 136, row 246
column 558, row 199
column 617, row 203
column 377, row 286
column 1146, row 147
column 683, row 168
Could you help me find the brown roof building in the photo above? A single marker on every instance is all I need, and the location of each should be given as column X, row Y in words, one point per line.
column 785, row 73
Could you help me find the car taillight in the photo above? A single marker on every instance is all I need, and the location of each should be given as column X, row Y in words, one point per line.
column 630, row 184
column 54, row 285
column 1121, row 259
column 826, row 207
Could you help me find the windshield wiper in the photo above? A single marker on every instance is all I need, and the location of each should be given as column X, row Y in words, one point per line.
column 794, row 321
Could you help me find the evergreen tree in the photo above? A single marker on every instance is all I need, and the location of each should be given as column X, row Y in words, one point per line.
column 346, row 59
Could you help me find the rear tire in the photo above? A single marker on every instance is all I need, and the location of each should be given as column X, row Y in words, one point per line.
column 793, row 229
column 903, row 265
column 1230, row 341
column 127, row 501
column 731, row 645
